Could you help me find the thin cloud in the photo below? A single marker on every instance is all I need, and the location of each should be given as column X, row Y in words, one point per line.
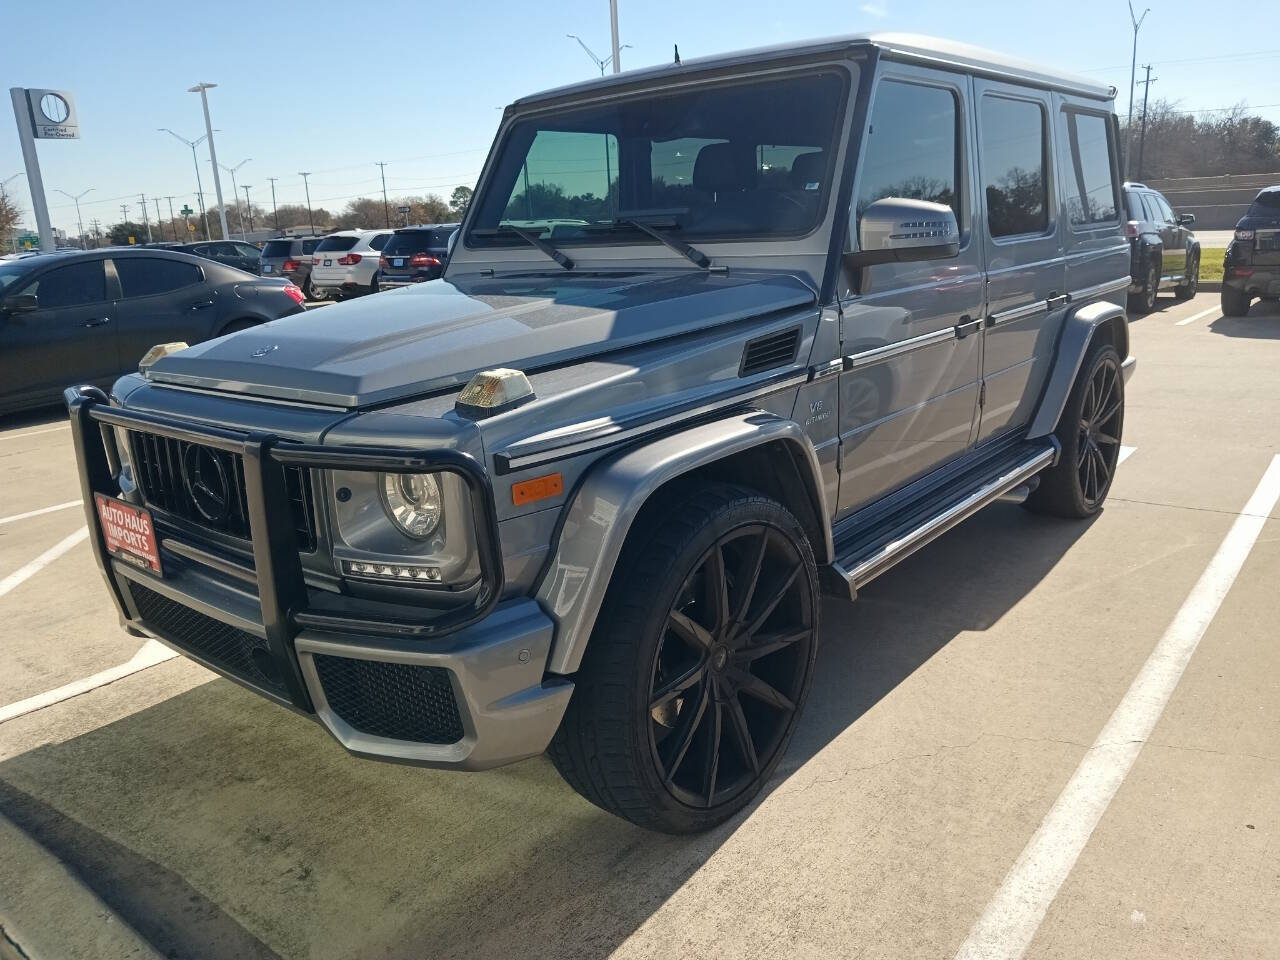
column 874, row 9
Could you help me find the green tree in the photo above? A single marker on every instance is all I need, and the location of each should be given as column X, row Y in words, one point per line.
column 121, row 232
column 10, row 215
column 458, row 201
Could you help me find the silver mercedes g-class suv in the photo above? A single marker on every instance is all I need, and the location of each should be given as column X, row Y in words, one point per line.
column 715, row 337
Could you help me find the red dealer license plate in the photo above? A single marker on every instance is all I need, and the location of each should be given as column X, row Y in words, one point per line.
column 129, row 532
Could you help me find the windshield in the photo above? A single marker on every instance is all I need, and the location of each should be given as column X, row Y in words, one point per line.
column 12, row 272
column 730, row 161
column 336, row 243
column 277, row 248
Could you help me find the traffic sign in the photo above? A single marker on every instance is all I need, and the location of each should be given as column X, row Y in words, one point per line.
column 186, row 210
column 29, row 241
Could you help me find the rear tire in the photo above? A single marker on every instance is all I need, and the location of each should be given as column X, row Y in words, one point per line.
column 307, row 291
column 235, row 326
column 1235, row 303
column 1089, row 432
column 1144, row 301
column 373, row 284
column 1187, row 289
column 699, row 663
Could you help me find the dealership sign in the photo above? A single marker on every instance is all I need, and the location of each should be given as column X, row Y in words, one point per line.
column 53, row 115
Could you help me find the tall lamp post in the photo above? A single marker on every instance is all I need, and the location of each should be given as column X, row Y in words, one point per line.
column 199, row 187
column 235, row 191
column 79, row 222
column 1133, row 73
column 203, row 89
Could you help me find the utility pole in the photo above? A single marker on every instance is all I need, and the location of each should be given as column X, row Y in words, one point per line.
column 173, row 220
column 159, row 222
column 613, row 28
column 235, row 192
column 204, row 215
column 145, row 218
column 97, row 233
column 1146, row 90
column 274, row 215
column 307, row 187
column 1133, row 69
column 79, row 222
column 202, row 89
column 248, row 203
column 386, row 210
column 124, row 216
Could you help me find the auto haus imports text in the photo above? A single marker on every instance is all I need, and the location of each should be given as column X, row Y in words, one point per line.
column 131, row 529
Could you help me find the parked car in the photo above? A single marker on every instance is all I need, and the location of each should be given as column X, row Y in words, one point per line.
column 1164, row 252
column 345, row 264
column 581, row 493
column 232, row 253
column 87, row 316
column 1251, row 267
column 415, row 254
column 290, row 257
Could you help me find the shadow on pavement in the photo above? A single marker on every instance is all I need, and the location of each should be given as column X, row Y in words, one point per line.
column 50, row 415
column 220, row 825
column 1262, row 322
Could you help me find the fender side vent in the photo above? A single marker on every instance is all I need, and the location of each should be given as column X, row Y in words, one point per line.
column 767, row 352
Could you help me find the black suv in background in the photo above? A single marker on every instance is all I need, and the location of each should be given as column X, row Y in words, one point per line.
column 231, row 253
column 290, row 257
column 1164, row 252
column 1251, row 267
column 415, row 254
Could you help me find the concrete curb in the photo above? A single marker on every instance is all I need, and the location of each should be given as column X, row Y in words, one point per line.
column 48, row 912
column 1210, row 286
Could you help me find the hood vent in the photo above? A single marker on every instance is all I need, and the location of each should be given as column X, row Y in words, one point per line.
column 774, row 350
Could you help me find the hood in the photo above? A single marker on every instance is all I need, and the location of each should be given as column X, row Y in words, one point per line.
column 435, row 336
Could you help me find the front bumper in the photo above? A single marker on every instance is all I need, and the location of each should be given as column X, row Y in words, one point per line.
column 463, row 689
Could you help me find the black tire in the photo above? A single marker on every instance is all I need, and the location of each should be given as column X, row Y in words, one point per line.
column 1235, row 303
column 1144, row 301
column 675, row 668
column 307, row 292
column 373, row 284
column 1089, row 431
column 1187, row 289
column 235, row 326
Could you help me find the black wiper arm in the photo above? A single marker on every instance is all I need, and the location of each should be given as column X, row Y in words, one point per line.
column 530, row 238
column 673, row 243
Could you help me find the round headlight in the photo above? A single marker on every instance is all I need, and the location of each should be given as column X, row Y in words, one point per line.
column 413, row 502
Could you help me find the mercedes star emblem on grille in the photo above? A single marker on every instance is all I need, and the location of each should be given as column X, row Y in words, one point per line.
column 204, row 476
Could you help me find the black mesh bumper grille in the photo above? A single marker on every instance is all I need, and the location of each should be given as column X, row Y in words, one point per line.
column 222, row 645
column 397, row 700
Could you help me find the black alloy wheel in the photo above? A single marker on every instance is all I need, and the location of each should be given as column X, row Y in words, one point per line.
column 1098, row 444
column 1191, row 284
column 1150, row 288
column 731, row 666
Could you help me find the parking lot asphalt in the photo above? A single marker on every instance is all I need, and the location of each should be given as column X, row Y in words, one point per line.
column 953, row 704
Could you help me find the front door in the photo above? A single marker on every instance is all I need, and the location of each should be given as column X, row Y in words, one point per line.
column 69, row 338
column 1026, row 273
column 911, row 330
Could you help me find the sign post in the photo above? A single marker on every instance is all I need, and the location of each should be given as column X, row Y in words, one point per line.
column 42, row 115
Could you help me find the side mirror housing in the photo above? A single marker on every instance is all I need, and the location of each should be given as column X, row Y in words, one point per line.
column 1185, row 219
column 453, row 242
column 21, row 303
column 901, row 230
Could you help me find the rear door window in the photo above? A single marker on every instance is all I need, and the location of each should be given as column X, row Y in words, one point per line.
column 1089, row 184
column 1151, row 209
column 74, row 285
column 336, row 244
column 1166, row 211
column 1013, row 166
column 146, row 277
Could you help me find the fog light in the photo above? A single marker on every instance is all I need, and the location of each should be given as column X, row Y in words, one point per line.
column 398, row 572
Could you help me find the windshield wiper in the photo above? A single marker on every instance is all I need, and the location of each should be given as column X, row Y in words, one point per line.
column 530, row 238
column 673, row 243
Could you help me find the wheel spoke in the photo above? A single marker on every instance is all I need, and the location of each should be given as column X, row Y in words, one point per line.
column 717, row 585
column 770, row 643
column 1106, row 438
column 711, row 767
column 749, row 577
column 774, row 600
column 1111, row 411
column 738, row 721
column 688, row 630
column 752, row 685
column 682, row 737
column 1103, row 467
column 673, row 688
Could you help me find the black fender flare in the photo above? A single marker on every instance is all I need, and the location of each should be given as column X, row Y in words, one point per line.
column 1077, row 333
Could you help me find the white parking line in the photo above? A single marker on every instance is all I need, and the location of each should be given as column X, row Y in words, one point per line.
column 23, row 574
column 1125, row 454
column 1198, row 316
column 152, row 653
column 37, row 513
column 32, row 433
column 1007, row 926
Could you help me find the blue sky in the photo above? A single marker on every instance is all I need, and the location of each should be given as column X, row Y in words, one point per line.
column 422, row 90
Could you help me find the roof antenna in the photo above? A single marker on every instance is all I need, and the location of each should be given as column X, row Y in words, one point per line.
column 677, row 46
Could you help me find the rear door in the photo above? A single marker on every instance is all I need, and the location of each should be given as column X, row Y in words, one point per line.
column 1173, row 235
column 161, row 301
column 1026, row 275
column 69, row 338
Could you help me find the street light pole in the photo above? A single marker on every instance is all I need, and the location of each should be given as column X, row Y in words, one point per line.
column 76, row 199
column 594, row 59
column 1133, row 71
column 202, row 89
column 235, row 192
column 613, row 28
column 307, row 187
column 195, row 162
column 274, row 214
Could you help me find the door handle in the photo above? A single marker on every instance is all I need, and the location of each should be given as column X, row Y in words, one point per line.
column 96, row 322
column 201, row 306
column 1055, row 300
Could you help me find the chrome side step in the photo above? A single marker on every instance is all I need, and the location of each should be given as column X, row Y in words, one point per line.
column 887, row 544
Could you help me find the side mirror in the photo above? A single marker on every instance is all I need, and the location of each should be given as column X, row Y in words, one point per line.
column 453, row 242
column 900, row 230
column 21, row 303
column 1186, row 219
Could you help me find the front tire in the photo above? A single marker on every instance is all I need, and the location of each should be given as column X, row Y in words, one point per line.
column 1089, row 433
column 699, row 663
column 1235, row 303
column 1187, row 289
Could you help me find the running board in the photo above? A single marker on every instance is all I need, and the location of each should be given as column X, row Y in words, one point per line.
column 873, row 550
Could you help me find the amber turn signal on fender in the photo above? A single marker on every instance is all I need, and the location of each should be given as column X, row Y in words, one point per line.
column 539, row 488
